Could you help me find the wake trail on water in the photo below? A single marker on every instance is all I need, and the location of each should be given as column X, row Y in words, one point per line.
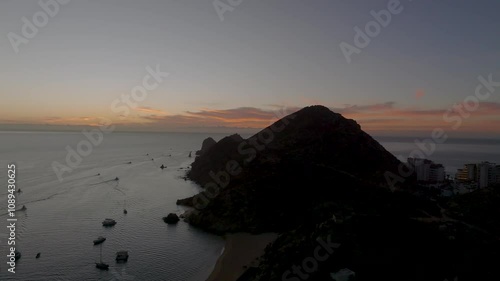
column 115, row 187
column 34, row 201
column 102, row 182
column 66, row 191
column 135, row 160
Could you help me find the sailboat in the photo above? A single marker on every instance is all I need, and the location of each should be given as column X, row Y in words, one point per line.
column 99, row 240
column 100, row 264
column 124, row 207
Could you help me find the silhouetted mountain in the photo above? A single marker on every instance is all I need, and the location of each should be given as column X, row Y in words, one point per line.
column 314, row 135
column 316, row 175
column 206, row 145
column 305, row 158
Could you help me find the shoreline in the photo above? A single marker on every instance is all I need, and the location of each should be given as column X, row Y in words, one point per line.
column 240, row 253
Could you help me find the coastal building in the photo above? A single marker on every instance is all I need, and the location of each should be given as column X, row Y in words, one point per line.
column 437, row 173
column 421, row 168
column 427, row 171
column 467, row 173
column 484, row 174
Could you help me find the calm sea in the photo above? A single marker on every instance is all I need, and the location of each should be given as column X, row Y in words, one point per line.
column 63, row 218
column 453, row 153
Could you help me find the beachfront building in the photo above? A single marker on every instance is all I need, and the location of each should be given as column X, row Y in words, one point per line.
column 421, row 168
column 467, row 173
column 427, row 171
column 486, row 174
column 483, row 174
column 437, row 173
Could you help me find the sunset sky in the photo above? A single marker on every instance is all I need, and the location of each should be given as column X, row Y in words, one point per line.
column 264, row 59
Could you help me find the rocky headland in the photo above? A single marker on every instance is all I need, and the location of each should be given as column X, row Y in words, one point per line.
column 318, row 179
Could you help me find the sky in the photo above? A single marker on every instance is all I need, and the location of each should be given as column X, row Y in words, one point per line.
column 240, row 64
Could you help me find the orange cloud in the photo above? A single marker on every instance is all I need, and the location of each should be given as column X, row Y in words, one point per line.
column 374, row 118
column 247, row 117
column 387, row 117
column 150, row 110
column 76, row 121
column 381, row 117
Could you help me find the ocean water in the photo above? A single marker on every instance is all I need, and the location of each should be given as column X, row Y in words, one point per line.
column 63, row 218
column 452, row 154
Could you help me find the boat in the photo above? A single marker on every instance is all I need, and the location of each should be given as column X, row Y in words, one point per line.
column 99, row 240
column 23, row 208
column 19, row 190
column 190, row 153
column 101, row 265
column 122, row 256
column 38, row 255
column 125, row 211
column 108, row 222
column 17, row 255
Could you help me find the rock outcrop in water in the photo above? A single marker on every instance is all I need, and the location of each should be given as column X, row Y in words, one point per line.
column 171, row 218
column 318, row 179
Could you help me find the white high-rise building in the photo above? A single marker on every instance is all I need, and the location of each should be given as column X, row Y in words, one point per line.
column 436, row 173
column 427, row 171
column 486, row 174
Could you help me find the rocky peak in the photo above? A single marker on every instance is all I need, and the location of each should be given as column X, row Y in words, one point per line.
column 206, row 145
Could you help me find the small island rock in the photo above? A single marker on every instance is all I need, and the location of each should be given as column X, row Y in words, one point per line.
column 171, row 218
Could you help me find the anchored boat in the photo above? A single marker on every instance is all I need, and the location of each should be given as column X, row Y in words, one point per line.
column 99, row 240
column 122, row 256
column 108, row 222
column 101, row 265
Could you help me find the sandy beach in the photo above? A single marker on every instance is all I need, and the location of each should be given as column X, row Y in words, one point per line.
column 240, row 252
